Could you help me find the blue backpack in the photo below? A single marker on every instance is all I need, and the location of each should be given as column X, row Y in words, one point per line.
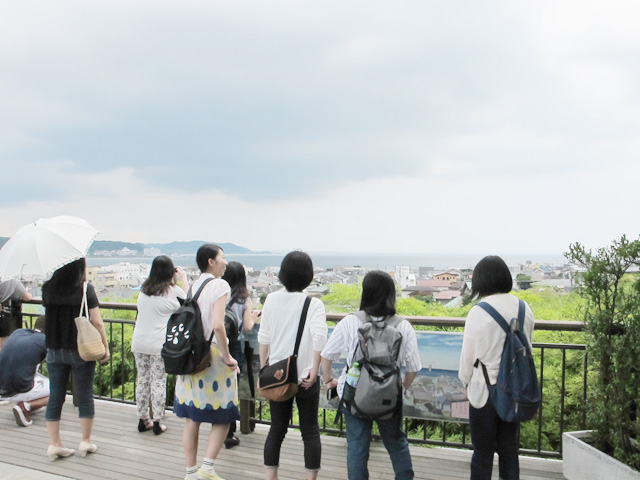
column 516, row 395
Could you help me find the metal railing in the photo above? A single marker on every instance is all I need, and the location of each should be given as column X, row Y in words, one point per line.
column 562, row 369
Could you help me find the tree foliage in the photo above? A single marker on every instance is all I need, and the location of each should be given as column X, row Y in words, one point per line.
column 612, row 320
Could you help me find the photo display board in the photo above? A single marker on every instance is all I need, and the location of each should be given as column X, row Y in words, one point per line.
column 437, row 393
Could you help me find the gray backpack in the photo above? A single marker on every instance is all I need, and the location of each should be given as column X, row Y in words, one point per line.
column 378, row 394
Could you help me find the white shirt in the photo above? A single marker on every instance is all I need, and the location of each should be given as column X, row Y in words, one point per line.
column 208, row 297
column 344, row 338
column 279, row 328
column 484, row 340
column 151, row 324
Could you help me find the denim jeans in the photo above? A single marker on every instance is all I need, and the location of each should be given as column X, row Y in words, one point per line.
column 490, row 434
column 307, row 402
column 359, row 439
column 60, row 363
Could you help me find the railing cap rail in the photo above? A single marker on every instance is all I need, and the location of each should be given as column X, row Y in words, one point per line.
column 452, row 322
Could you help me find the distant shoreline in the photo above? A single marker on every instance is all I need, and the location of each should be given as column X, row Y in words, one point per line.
column 382, row 261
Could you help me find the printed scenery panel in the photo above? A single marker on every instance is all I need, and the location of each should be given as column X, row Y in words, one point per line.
column 436, row 393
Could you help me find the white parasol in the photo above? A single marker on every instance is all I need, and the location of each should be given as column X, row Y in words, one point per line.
column 45, row 245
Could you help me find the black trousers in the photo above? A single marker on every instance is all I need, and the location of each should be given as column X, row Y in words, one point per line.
column 490, row 434
column 307, row 402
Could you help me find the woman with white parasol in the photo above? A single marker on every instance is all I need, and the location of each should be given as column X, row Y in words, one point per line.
column 60, row 244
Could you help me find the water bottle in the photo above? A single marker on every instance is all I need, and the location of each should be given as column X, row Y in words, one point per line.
column 353, row 375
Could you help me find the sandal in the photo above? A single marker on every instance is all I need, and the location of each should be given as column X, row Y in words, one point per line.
column 158, row 428
column 144, row 425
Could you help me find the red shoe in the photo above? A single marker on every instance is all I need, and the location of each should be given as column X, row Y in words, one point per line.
column 23, row 417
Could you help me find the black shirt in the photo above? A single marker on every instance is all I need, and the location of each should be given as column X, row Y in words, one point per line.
column 61, row 308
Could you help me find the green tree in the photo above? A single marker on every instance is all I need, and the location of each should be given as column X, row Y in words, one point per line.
column 612, row 320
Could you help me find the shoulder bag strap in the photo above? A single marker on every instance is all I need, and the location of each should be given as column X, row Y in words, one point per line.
column 84, row 306
column 303, row 319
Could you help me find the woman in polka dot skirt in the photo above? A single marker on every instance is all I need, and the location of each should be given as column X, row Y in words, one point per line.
column 210, row 396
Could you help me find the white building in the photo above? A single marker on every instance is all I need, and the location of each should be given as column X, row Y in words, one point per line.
column 404, row 277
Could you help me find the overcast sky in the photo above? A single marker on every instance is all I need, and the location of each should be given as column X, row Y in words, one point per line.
column 371, row 126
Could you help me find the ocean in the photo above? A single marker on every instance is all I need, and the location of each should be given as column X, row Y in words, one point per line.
column 381, row 261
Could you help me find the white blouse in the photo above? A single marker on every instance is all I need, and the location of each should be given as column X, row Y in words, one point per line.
column 151, row 323
column 208, row 297
column 344, row 338
column 484, row 340
column 279, row 328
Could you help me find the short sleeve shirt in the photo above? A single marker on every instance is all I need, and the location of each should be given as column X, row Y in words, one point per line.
column 151, row 325
column 61, row 308
column 211, row 293
column 11, row 290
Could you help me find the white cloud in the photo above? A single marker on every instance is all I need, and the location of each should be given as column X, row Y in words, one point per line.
column 412, row 126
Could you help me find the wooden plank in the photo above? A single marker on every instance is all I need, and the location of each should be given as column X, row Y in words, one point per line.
column 125, row 453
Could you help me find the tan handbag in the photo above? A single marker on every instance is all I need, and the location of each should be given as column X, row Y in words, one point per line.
column 90, row 346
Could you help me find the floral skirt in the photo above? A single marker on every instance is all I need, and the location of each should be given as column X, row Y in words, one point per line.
column 210, row 396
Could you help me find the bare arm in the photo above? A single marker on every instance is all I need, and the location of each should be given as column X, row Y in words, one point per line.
column 327, row 369
column 220, row 332
column 248, row 317
column 96, row 320
column 264, row 355
column 408, row 379
column 181, row 279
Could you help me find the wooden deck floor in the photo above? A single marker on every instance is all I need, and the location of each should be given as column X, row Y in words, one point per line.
column 124, row 453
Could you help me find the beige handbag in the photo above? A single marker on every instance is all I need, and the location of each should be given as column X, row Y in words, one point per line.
column 90, row 346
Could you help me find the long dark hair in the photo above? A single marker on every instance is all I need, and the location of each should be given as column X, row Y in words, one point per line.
column 160, row 277
column 67, row 278
column 236, row 277
column 378, row 294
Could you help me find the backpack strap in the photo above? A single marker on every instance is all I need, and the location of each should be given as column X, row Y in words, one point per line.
column 362, row 316
column 393, row 320
column 197, row 295
column 520, row 324
column 496, row 316
column 195, row 299
column 303, row 319
column 504, row 325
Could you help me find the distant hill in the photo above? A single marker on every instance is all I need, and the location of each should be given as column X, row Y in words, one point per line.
column 173, row 248
column 192, row 247
column 166, row 248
